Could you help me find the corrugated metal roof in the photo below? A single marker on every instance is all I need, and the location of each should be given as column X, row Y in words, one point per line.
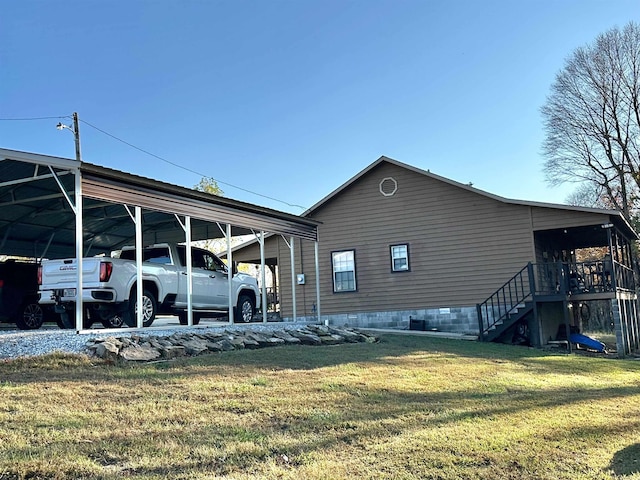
column 36, row 218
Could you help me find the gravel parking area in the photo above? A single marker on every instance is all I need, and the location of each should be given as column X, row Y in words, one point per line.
column 20, row 343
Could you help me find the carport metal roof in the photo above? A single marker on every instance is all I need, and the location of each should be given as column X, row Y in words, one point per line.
column 37, row 220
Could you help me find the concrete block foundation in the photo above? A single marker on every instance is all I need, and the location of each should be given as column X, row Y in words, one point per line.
column 462, row 320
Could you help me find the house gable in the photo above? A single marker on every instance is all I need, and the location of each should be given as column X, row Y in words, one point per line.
column 456, row 239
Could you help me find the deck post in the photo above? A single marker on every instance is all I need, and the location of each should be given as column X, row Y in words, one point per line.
column 535, row 328
column 567, row 325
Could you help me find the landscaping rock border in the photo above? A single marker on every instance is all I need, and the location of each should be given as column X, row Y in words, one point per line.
column 145, row 348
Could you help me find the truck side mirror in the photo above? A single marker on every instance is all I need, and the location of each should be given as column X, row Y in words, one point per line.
column 234, row 269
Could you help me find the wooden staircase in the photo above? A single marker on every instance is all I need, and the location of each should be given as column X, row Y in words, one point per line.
column 508, row 305
column 519, row 312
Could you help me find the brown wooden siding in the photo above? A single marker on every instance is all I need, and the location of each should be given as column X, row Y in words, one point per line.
column 550, row 218
column 251, row 253
column 462, row 245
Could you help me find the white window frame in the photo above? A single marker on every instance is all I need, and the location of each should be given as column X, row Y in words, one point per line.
column 342, row 267
column 392, row 250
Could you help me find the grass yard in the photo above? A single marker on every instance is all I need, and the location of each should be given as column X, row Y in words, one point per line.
column 406, row 408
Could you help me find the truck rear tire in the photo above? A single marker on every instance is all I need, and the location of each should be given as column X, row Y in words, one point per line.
column 30, row 316
column 245, row 311
column 149, row 308
column 67, row 320
column 182, row 317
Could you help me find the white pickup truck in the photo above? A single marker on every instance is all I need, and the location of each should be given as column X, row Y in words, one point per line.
column 109, row 287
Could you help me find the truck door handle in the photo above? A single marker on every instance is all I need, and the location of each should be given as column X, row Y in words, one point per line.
column 183, row 273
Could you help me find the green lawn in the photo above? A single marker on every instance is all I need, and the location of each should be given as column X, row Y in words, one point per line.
column 406, row 408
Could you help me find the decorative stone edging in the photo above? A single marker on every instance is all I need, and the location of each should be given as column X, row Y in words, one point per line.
column 146, row 348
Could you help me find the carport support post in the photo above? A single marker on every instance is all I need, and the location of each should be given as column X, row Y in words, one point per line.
column 188, row 254
column 186, row 227
column 293, row 278
column 263, row 279
column 230, row 273
column 79, row 249
column 139, row 285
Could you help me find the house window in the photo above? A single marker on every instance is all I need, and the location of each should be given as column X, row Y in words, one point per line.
column 400, row 258
column 344, row 271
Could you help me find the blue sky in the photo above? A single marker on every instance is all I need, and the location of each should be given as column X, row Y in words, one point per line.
column 290, row 99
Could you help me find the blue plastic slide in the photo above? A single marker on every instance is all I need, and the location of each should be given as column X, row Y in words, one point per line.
column 587, row 342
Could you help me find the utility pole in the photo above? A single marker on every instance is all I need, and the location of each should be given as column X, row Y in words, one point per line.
column 76, row 133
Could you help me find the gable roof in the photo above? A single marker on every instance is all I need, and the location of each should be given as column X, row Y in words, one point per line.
column 617, row 216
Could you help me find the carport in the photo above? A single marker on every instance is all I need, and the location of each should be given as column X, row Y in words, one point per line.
column 55, row 207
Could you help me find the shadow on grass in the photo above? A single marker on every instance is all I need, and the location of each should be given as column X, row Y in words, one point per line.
column 364, row 414
column 363, row 411
column 626, row 461
column 390, row 350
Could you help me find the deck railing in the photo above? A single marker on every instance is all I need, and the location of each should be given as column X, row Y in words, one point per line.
column 583, row 277
column 551, row 279
column 505, row 300
column 624, row 277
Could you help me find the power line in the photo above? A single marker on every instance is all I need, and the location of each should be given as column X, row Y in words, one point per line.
column 188, row 169
column 154, row 156
column 32, row 118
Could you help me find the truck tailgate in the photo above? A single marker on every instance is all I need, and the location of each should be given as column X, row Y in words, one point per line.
column 62, row 273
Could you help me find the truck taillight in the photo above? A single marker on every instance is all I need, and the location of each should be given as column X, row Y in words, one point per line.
column 1, row 283
column 40, row 275
column 105, row 271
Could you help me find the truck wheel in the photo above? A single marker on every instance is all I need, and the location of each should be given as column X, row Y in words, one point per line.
column 30, row 316
column 182, row 317
column 245, row 310
column 149, row 307
column 67, row 320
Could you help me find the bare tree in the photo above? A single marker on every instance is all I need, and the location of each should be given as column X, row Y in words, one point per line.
column 588, row 195
column 592, row 120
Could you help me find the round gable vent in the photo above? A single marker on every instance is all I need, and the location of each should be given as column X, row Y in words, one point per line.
column 388, row 186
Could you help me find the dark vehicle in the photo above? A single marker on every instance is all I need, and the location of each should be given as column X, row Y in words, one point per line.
column 19, row 295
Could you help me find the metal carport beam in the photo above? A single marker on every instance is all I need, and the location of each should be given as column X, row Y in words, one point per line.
column 186, row 226
column 79, row 248
column 263, row 278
